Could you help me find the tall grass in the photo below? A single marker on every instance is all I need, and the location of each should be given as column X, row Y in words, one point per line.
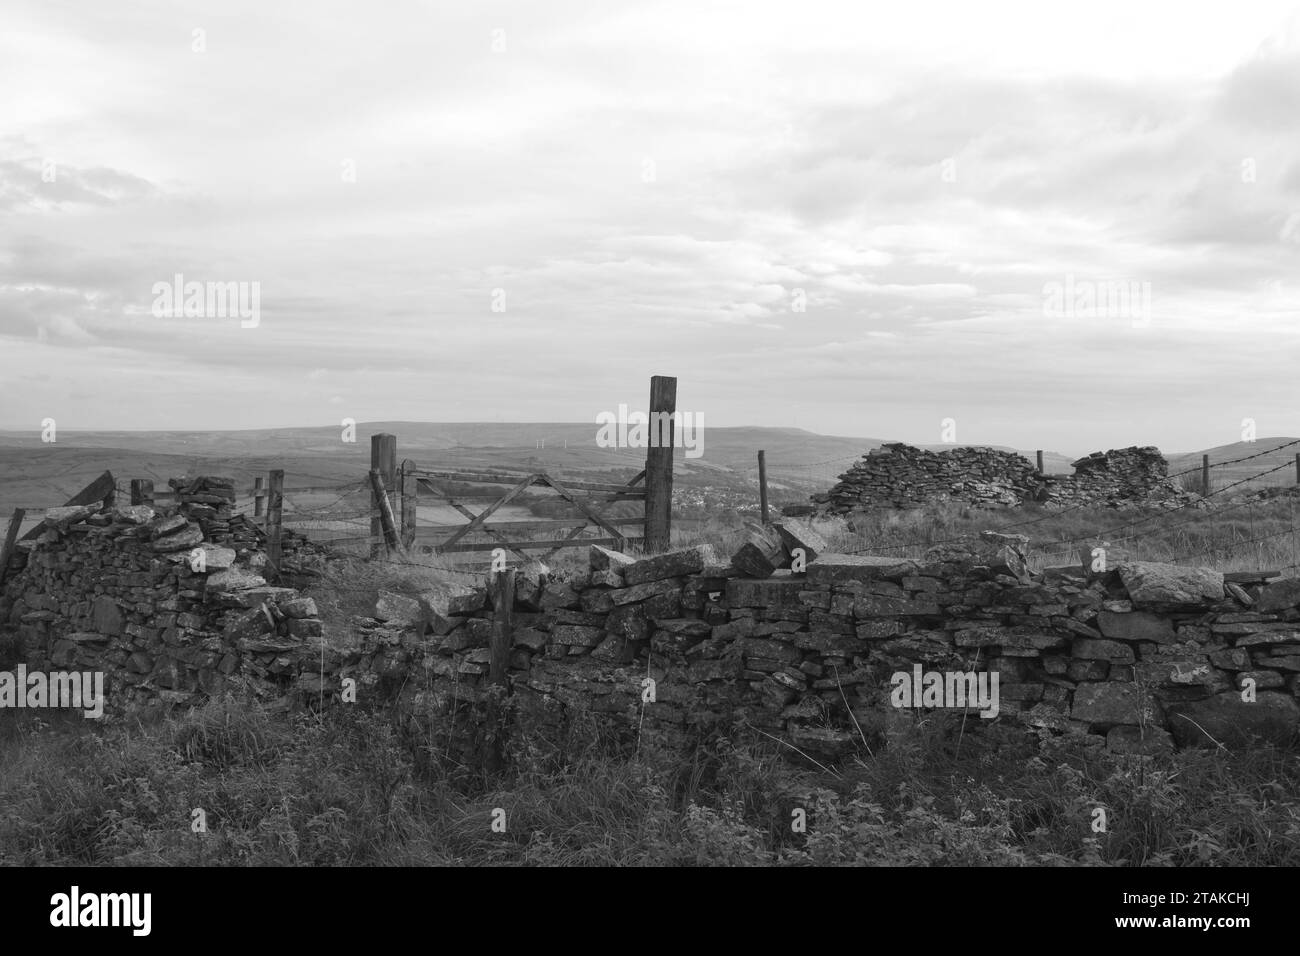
column 354, row 788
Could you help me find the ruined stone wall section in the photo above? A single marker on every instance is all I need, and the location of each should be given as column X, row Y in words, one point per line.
column 1141, row 657
column 900, row 476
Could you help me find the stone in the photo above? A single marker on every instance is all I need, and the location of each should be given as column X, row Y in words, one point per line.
column 1229, row 721
column 1112, row 702
column 181, row 540
column 106, row 617
column 398, row 608
column 671, row 564
column 1170, row 587
column 133, row 514
column 830, row 569
column 67, row 515
column 1135, row 626
column 778, row 591
column 642, row 592
column 797, row 534
column 234, row 579
column 603, row 559
column 630, row 621
column 762, row 554
column 215, row 557
column 449, row 599
column 576, row 635
column 298, row 608
column 1279, row 596
column 1085, row 648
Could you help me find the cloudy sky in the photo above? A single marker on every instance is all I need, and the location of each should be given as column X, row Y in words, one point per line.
column 848, row 217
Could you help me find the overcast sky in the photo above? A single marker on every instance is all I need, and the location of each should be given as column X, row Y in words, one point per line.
column 658, row 188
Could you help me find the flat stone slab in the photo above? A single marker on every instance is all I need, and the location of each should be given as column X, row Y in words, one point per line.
column 672, row 564
column 780, row 590
column 1135, row 626
column 1157, row 586
column 1111, row 703
column 831, row 569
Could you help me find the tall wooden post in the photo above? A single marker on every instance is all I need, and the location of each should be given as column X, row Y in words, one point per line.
column 259, row 496
column 1040, row 461
column 762, row 485
column 11, row 536
column 410, row 503
column 142, row 491
column 383, row 458
column 1205, row 474
column 1297, row 468
column 274, row 518
column 659, row 465
column 501, row 589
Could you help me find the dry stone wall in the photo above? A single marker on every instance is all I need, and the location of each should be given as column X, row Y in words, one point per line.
column 900, row 476
column 1140, row 658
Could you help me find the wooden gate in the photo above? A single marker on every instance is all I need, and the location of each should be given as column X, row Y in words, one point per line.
column 587, row 497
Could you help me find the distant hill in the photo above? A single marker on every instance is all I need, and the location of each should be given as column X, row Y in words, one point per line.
column 1264, row 454
column 799, row 462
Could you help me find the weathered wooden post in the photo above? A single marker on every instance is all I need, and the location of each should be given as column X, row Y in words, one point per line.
column 274, row 520
column 383, row 458
column 1297, row 468
column 142, row 491
column 1040, row 461
column 11, row 537
column 762, row 485
column 410, row 503
column 259, row 496
column 387, row 522
column 659, row 465
column 1205, row 475
column 501, row 589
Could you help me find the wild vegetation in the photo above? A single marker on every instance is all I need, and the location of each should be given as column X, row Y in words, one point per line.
column 355, row 788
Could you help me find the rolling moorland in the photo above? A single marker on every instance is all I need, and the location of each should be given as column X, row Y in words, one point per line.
column 356, row 787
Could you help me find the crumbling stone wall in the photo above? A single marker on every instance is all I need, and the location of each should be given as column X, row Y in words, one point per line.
column 900, row 476
column 119, row 590
column 1140, row 657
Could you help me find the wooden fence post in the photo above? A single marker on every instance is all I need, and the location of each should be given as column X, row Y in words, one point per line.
column 501, row 588
column 762, row 485
column 383, row 459
column 274, row 518
column 659, row 466
column 410, row 504
column 259, row 496
column 1297, row 468
column 142, row 491
column 1205, row 474
column 1040, row 461
column 11, row 536
column 387, row 523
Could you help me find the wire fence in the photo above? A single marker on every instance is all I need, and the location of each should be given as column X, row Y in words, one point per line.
column 1204, row 515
